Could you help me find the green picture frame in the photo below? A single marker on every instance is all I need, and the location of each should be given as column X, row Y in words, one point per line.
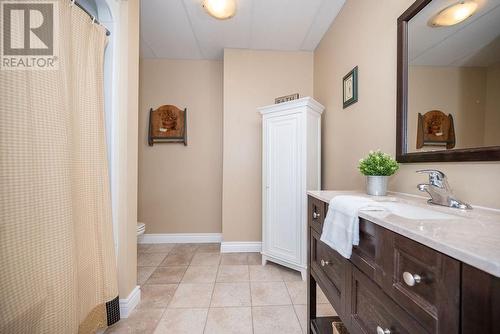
column 350, row 88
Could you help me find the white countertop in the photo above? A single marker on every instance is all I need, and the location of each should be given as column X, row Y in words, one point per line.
column 471, row 236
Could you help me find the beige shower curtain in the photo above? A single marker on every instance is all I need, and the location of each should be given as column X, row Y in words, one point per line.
column 57, row 261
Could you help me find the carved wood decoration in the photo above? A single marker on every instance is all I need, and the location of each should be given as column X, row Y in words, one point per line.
column 167, row 124
column 435, row 128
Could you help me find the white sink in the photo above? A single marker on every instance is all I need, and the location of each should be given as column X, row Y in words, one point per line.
column 414, row 212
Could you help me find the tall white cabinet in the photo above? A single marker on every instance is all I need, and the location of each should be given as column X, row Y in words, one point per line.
column 291, row 165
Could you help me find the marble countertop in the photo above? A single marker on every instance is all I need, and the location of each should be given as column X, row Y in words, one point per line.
column 471, row 236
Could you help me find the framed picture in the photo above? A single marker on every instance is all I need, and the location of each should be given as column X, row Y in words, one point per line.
column 167, row 124
column 350, row 88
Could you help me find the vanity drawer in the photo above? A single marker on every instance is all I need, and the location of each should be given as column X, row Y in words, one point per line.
column 426, row 284
column 330, row 267
column 372, row 311
column 316, row 213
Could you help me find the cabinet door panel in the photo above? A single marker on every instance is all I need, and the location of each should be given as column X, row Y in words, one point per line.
column 371, row 310
column 431, row 292
column 284, row 188
column 480, row 301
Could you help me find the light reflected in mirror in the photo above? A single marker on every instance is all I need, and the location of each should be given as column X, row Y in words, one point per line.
column 454, row 79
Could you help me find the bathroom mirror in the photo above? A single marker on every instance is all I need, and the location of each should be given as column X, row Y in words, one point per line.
column 448, row 97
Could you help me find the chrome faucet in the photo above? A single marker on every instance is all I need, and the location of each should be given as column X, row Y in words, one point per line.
column 440, row 191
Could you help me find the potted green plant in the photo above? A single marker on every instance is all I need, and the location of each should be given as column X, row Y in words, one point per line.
column 377, row 167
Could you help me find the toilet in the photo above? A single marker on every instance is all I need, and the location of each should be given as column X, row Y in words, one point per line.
column 141, row 228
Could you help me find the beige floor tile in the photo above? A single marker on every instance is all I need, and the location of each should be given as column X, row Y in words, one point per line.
column 178, row 259
column 182, row 321
column 139, row 322
column 208, row 248
column 156, row 295
column 143, row 274
column 325, row 310
column 159, row 248
column 290, row 275
column 320, row 296
column 322, row 310
column 269, row 293
column 275, row 320
column 297, row 291
column 200, row 274
column 236, row 273
column 206, row 259
column 232, row 320
column 231, row 294
column 150, row 259
column 301, row 312
column 141, row 248
column 234, row 258
column 184, row 248
column 267, row 273
column 165, row 275
column 192, row 295
column 254, row 258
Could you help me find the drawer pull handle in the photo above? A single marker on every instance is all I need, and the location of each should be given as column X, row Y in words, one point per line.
column 324, row 263
column 316, row 215
column 411, row 279
column 380, row 330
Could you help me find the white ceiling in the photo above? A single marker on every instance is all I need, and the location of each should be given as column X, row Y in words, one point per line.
column 473, row 42
column 182, row 29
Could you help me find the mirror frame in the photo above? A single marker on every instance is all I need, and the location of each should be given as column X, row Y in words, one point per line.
column 490, row 153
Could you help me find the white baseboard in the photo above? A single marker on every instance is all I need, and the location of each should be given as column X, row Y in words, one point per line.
column 128, row 304
column 241, row 247
column 180, row 238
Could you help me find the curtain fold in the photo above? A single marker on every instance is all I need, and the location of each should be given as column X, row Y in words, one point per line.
column 57, row 260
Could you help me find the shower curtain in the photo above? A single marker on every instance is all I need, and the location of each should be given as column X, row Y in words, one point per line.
column 57, row 260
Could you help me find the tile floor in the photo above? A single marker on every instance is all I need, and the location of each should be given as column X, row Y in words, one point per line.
column 193, row 288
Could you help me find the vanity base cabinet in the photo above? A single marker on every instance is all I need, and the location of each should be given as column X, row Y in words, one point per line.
column 392, row 284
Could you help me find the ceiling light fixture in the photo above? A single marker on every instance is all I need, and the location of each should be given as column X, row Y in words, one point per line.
column 220, row 9
column 454, row 14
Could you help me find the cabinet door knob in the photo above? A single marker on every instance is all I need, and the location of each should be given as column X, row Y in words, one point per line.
column 316, row 215
column 324, row 263
column 380, row 330
column 411, row 279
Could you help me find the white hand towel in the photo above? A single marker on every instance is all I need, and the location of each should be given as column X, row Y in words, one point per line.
column 341, row 225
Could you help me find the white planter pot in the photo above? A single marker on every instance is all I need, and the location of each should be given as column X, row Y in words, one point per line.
column 376, row 185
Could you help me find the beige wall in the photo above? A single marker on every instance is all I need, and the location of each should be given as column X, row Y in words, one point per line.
column 180, row 187
column 253, row 79
column 364, row 34
column 492, row 116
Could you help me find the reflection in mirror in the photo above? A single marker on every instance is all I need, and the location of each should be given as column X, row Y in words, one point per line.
column 454, row 76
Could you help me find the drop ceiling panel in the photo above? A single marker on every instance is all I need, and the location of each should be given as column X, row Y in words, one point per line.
column 321, row 23
column 282, row 26
column 165, row 27
column 182, row 28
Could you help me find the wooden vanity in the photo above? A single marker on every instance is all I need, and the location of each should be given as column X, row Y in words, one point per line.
column 370, row 294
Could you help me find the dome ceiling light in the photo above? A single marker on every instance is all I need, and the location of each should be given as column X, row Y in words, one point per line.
column 454, row 14
column 220, row 9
